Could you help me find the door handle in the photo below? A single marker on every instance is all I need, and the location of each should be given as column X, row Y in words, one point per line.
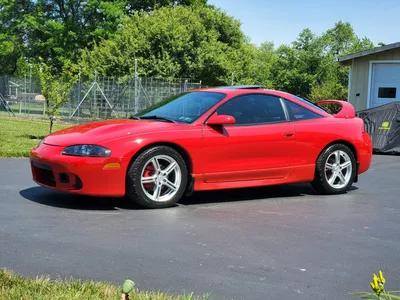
column 288, row 134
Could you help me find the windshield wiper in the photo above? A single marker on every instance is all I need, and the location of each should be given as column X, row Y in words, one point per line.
column 156, row 118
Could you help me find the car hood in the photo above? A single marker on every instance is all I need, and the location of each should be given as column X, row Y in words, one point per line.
column 104, row 131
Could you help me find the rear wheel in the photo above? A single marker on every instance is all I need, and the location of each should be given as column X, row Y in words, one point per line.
column 335, row 170
column 157, row 178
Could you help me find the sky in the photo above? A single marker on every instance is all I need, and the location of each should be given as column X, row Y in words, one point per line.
column 281, row 21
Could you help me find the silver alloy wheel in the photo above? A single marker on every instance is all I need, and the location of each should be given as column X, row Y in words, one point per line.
column 161, row 178
column 338, row 169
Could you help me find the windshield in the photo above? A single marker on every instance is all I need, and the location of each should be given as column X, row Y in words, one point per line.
column 306, row 101
column 183, row 108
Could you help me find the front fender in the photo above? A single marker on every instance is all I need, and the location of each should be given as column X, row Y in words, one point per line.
column 190, row 141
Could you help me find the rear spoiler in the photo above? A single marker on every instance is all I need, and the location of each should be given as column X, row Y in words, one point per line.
column 347, row 111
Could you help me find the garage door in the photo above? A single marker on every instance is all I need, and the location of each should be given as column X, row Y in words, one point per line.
column 385, row 85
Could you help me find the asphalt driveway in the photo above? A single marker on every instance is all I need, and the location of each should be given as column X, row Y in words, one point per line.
column 265, row 243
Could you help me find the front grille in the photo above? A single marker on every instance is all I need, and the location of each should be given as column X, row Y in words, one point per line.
column 43, row 174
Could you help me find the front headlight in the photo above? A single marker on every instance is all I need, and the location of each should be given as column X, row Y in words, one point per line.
column 87, row 150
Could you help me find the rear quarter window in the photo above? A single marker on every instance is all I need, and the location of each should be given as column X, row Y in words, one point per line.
column 298, row 112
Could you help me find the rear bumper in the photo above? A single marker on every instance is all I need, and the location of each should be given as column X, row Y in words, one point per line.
column 364, row 153
column 79, row 175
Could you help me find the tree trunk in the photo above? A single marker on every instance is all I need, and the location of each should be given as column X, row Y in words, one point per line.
column 51, row 123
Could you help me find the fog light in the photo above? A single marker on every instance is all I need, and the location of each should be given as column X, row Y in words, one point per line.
column 64, row 178
column 78, row 183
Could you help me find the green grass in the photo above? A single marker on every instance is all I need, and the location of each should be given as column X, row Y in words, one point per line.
column 14, row 286
column 19, row 136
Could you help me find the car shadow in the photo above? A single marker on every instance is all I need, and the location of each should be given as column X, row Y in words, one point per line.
column 249, row 194
column 52, row 198
column 246, row 194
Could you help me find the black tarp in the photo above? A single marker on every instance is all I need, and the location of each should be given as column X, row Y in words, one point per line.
column 383, row 125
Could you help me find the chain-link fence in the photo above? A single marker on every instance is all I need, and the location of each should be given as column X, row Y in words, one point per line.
column 99, row 98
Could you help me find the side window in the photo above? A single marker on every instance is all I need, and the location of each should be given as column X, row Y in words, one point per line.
column 254, row 109
column 298, row 112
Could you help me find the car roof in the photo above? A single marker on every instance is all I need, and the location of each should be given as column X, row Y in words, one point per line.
column 241, row 87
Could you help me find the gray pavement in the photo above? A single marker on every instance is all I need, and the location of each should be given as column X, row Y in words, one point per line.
column 264, row 243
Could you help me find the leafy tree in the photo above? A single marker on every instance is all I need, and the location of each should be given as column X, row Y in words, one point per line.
column 55, row 87
column 265, row 60
column 307, row 68
column 297, row 66
column 196, row 41
column 337, row 41
column 58, row 30
column 149, row 5
column 10, row 51
column 13, row 22
column 328, row 90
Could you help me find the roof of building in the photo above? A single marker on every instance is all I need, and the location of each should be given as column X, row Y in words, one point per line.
column 368, row 52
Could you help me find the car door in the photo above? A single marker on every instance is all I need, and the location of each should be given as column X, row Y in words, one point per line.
column 258, row 146
column 310, row 139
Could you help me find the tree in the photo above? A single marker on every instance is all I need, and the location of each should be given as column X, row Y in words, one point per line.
column 196, row 41
column 306, row 67
column 149, row 5
column 13, row 22
column 297, row 66
column 55, row 87
column 265, row 59
column 10, row 52
column 58, row 30
column 342, row 40
column 337, row 41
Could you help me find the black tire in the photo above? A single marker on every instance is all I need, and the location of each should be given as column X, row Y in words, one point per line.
column 320, row 182
column 134, row 188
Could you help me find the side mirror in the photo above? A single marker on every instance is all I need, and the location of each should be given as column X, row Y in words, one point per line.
column 221, row 120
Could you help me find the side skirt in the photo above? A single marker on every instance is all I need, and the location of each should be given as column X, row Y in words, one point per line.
column 298, row 174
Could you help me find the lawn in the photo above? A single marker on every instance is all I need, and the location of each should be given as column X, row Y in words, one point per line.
column 14, row 286
column 19, row 136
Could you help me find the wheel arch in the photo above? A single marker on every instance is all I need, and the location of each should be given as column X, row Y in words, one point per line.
column 344, row 142
column 181, row 150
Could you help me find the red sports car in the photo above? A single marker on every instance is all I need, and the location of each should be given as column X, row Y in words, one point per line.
column 208, row 139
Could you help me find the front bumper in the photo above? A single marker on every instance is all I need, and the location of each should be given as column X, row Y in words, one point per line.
column 79, row 175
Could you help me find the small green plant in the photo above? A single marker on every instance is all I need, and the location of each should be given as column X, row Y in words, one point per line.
column 378, row 287
column 55, row 87
column 126, row 288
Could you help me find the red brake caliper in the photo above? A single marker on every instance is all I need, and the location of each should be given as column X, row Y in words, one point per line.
column 148, row 172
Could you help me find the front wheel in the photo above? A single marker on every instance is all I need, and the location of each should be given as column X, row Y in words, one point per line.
column 157, row 178
column 335, row 170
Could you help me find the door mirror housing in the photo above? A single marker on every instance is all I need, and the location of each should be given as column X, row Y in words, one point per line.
column 221, row 120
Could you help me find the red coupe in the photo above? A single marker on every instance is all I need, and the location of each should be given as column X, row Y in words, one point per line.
column 208, row 139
